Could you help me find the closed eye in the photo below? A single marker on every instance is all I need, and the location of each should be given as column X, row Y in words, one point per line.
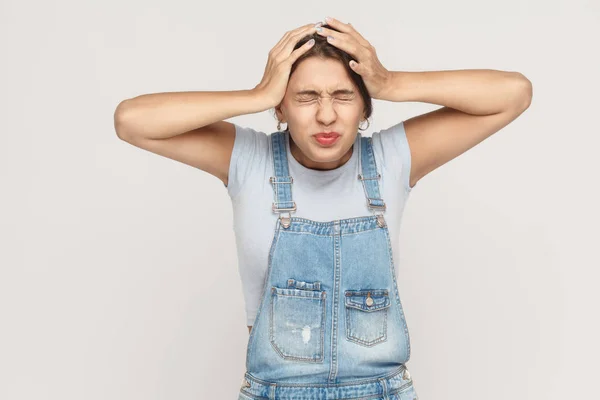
column 309, row 100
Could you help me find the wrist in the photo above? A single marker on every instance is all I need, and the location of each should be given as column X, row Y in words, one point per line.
column 261, row 99
column 395, row 87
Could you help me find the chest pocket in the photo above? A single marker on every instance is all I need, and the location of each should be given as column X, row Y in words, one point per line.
column 366, row 316
column 297, row 322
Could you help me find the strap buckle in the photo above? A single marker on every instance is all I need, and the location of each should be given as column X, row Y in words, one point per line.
column 276, row 209
column 376, row 206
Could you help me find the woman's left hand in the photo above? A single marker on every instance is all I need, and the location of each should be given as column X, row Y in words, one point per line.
column 365, row 62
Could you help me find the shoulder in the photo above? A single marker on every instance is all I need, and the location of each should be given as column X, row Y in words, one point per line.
column 247, row 136
column 250, row 152
column 390, row 146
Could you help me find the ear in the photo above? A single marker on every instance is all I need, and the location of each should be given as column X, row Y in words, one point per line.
column 279, row 113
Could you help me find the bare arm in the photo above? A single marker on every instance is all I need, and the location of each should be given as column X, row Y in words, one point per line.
column 476, row 104
column 187, row 126
column 164, row 115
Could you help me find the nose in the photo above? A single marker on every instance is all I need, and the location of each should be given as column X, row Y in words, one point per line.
column 326, row 113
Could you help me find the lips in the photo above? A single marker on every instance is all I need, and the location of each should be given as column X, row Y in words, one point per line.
column 327, row 134
column 327, row 138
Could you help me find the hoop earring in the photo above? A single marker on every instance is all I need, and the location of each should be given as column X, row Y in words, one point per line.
column 279, row 125
column 368, row 124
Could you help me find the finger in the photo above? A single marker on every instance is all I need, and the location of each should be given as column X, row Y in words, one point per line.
column 293, row 40
column 342, row 35
column 280, row 47
column 347, row 29
column 301, row 50
column 356, row 67
column 344, row 42
column 285, row 39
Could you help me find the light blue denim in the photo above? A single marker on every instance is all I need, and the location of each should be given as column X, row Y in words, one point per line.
column 330, row 324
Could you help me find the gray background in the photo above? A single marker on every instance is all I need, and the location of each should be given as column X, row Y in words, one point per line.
column 118, row 271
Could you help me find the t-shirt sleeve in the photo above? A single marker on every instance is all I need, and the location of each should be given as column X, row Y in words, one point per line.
column 246, row 154
column 395, row 151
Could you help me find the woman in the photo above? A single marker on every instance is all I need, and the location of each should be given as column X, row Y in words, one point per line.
column 322, row 301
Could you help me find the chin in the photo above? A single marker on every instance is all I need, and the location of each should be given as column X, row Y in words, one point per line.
column 326, row 154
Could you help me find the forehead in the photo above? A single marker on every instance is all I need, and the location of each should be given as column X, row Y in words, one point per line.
column 321, row 75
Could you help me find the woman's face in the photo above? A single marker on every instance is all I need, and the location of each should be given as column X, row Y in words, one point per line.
column 320, row 97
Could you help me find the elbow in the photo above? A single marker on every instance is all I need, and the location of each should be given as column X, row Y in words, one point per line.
column 119, row 120
column 524, row 92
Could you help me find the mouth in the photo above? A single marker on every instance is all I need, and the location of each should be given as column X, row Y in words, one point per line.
column 327, row 138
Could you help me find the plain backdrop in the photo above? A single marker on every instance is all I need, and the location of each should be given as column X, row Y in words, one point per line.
column 118, row 274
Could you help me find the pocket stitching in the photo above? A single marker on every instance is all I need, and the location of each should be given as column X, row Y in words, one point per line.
column 301, row 294
column 355, row 307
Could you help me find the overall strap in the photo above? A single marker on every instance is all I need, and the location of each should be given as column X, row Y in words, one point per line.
column 281, row 181
column 370, row 176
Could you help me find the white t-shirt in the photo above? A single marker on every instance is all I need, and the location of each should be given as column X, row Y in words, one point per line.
column 320, row 195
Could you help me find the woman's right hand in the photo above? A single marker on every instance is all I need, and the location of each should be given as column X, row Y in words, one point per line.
column 279, row 64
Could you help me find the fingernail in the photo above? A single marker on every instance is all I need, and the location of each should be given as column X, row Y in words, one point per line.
column 328, row 20
column 318, row 24
column 311, row 42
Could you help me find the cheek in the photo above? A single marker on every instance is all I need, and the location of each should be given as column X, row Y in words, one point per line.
column 350, row 111
column 351, row 140
column 302, row 114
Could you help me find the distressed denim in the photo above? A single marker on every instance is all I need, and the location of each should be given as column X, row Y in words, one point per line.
column 330, row 324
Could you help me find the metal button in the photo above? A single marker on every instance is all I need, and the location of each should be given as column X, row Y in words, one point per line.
column 369, row 300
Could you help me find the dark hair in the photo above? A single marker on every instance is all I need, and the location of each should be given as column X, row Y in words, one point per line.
column 324, row 49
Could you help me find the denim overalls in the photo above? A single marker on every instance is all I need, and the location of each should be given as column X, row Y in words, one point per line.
column 330, row 324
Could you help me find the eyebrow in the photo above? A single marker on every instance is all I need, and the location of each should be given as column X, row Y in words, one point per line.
column 335, row 92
